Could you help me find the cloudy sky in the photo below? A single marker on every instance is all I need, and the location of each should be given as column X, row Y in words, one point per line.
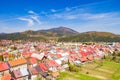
column 80, row 15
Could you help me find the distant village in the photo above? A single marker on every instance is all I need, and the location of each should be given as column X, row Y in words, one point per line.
column 26, row 60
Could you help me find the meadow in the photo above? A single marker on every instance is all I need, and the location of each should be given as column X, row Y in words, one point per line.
column 97, row 70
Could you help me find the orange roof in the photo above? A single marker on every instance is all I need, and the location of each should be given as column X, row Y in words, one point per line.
column 90, row 58
column 17, row 62
column 6, row 77
column 58, row 55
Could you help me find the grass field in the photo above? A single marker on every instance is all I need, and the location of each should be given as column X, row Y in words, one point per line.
column 98, row 70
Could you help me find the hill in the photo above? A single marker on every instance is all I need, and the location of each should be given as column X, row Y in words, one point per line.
column 62, row 34
column 44, row 35
column 91, row 37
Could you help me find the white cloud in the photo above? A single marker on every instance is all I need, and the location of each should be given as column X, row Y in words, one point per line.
column 20, row 28
column 67, row 9
column 32, row 12
column 89, row 16
column 30, row 22
column 83, row 20
column 32, row 19
column 82, row 14
column 71, row 17
column 43, row 12
column 53, row 10
column 36, row 18
column 65, row 16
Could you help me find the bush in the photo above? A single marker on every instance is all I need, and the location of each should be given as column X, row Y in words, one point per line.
column 1, row 57
column 117, row 60
column 13, row 48
column 73, row 68
column 118, row 54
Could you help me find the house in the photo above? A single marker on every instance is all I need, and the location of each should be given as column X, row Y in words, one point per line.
column 52, row 65
column 58, row 61
column 20, row 74
column 42, row 69
column 5, row 56
column 83, row 59
column 38, row 56
column 16, row 74
column 4, row 68
column 26, row 54
column 32, row 60
column 33, row 73
column 19, row 63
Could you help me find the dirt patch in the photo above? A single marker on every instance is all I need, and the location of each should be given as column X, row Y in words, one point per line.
column 100, row 77
column 105, row 70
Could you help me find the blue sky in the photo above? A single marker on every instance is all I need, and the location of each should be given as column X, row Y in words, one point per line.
column 80, row 15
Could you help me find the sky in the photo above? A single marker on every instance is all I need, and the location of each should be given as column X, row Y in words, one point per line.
column 80, row 15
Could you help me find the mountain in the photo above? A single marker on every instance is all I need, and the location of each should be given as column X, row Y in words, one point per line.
column 60, row 31
column 62, row 34
column 44, row 35
column 2, row 33
column 92, row 36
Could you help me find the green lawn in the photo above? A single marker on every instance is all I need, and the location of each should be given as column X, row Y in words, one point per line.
column 98, row 70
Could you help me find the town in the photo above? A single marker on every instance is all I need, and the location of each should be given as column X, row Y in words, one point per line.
column 27, row 60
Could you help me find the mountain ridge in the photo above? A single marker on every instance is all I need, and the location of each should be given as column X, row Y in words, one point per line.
column 92, row 36
column 62, row 34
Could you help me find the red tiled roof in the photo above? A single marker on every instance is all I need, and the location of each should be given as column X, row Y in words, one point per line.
column 33, row 60
column 85, row 53
column 26, row 54
column 52, row 55
column 43, row 67
column 52, row 63
column 72, row 52
column 45, row 52
column 3, row 66
column 83, row 59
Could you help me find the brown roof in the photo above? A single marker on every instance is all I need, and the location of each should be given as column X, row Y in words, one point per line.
column 17, row 62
